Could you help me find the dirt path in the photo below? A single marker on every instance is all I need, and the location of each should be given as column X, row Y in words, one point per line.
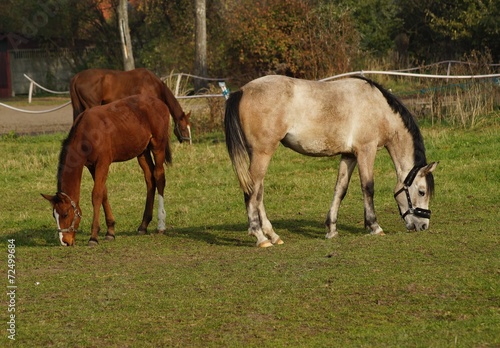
column 23, row 123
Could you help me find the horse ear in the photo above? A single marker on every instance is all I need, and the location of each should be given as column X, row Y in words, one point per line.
column 50, row 198
column 429, row 168
column 188, row 115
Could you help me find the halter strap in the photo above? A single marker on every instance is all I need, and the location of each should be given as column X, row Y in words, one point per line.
column 71, row 228
column 180, row 134
column 411, row 176
column 423, row 213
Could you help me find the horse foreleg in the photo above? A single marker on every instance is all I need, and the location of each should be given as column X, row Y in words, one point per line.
column 368, row 188
column 108, row 214
column 99, row 174
column 346, row 167
column 147, row 166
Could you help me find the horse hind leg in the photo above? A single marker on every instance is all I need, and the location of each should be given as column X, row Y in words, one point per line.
column 267, row 227
column 346, row 167
column 147, row 166
column 108, row 214
column 159, row 176
column 258, row 223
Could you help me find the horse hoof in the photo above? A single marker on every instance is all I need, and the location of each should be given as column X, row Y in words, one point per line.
column 93, row 243
column 381, row 233
column 265, row 244
column 161, row 231
column 331, row 235
column 141, row 232
column 110, row 237
column 278, row 242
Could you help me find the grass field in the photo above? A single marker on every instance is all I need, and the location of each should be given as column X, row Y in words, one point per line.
column 205, row 284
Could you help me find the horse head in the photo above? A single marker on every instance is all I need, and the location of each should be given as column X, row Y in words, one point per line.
column 182, row 128
column 414, row 203
column 67, row 215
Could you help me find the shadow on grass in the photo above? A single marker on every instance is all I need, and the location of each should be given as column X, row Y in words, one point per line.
column 237, row 235
column 35, row 238
column 223, row 234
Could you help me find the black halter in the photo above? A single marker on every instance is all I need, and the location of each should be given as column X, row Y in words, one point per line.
column 423, row 213
column 183, row 138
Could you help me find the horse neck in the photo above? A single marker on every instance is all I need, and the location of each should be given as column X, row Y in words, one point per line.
column 69, row 177
column 401, row 149
column 173, row 104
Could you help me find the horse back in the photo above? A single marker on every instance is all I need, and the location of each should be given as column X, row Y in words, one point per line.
column 120, row 84
column 316, row 118
column 122, row 130
column 86, row 90
column 94, row 87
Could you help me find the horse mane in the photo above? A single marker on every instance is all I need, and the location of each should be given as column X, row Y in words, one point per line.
column 64, row 152
column 172, row 102
column 418, row 141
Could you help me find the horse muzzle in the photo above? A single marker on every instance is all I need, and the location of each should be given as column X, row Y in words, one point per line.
column 67, row 238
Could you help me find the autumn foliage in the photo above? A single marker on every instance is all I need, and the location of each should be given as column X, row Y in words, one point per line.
column 291, row 38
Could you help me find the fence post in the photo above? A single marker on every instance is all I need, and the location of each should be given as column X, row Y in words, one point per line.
column 177, row 85
column 30, row 92
column 448, row 71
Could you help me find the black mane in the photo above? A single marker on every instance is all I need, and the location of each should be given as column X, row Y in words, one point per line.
column 418, row 142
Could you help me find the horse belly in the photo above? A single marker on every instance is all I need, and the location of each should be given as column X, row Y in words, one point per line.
column 313, row 145
column 130, row 150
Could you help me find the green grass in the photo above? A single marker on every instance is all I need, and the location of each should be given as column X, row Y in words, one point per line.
column 205, row 284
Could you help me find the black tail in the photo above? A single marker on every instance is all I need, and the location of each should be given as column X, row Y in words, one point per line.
column 236, row 142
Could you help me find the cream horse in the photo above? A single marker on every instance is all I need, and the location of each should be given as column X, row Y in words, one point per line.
column 351, row 117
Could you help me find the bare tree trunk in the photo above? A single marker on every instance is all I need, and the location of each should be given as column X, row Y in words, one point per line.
column 128, row 57
column 200, row 62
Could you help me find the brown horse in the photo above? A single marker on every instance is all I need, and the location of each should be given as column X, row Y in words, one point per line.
column 95, row 87
column 136, row 126
column 351, row 117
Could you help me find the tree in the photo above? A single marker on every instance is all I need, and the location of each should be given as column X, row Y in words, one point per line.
column 200, row 61
column 126, row 42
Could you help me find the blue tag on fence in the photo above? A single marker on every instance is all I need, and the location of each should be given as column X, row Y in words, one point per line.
column 225, row 90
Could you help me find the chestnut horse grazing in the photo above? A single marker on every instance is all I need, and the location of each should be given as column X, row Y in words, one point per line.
column 352, row 117
column 95, row 87
column 136, row 126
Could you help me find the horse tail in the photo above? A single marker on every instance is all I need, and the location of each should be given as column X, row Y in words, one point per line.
column 236, row 142
column 168, row 150
column 76, row 102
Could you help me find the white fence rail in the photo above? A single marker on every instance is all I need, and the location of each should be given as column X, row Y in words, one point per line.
column 225, row 90
column 35, row 111
column 397, row 73
column 221, row 82
column 33, row 84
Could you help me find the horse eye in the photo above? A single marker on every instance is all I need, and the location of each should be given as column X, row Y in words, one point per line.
column 421, row 193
